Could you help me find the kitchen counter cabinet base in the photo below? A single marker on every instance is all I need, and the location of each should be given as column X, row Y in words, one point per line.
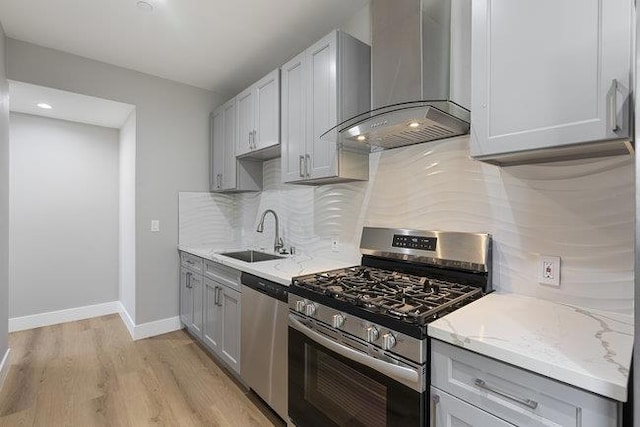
column 515, row 395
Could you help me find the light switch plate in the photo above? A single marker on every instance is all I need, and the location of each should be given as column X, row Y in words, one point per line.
column 155, row 225
column 549, row 270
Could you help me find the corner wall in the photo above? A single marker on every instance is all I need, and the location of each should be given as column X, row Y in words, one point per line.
column 63, row 214
column 127, row 231
column 171, row 155
column 4, row 206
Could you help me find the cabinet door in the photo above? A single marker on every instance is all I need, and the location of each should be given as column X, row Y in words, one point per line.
column 245, row 104
column 212, row 326
column 229, row 178
column 293, row 94
column 186, row 303
column 321, row 105
column 196, row 297
column 267, row 111
column 231, row 320
column 549, row 73
column 448, row 411
column 217, row 150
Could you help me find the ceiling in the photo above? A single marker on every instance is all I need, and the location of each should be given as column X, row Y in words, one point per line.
column 70, row 106
column 220, row 45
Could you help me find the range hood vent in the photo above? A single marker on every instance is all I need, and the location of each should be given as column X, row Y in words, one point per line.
column 421, row 76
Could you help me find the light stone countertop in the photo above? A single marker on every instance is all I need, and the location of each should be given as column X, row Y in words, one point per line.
column 279, row 271
column 586, row 348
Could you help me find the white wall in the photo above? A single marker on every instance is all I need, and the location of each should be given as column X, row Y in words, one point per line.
column 63, row 213
column 582, row 211
column 359, row 25
column 4, row 199
column 127, row 216
column 172, row 151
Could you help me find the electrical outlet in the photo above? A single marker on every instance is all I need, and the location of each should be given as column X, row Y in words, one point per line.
column 155, row 225
column 549, row 270
column 335, row 245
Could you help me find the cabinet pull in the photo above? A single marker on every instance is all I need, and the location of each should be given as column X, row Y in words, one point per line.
column 250, row 140
column 307, row 165
column 188, row 281
column 526, row 402
column 435, row 399
column 613, row 108
column 301, row 167
column 255, row 136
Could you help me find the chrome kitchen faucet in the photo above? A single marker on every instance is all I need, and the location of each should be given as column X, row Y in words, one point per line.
column 278, row 244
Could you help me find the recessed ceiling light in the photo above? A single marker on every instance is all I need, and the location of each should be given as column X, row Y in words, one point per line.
column 45, row 106
column 145, row 6
column 361, row 137
column 414, row 124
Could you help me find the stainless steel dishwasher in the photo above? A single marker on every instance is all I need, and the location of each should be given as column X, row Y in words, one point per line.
column 264, row 340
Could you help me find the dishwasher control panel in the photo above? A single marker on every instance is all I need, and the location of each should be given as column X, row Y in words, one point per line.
column 267, row 287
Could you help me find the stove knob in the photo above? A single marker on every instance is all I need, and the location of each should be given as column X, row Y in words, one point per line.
column 388, row 341
column 300, row 306
column 310, row 309
column 338, row 320
column 372, row 334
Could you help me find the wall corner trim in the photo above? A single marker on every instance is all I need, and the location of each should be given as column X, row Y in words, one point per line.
column 62, row 316
column 149, row 329
column 4, row 367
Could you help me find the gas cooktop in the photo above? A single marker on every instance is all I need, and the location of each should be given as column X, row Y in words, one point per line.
column 413, row 299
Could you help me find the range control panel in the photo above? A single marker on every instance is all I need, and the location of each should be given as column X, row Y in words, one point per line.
column 414, row 242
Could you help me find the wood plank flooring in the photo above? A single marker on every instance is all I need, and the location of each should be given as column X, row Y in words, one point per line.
column 90, row 373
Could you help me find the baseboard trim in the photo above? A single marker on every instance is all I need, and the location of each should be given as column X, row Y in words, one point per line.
column 4, row 368
column 159, row 327
column 149, row 329
column 128, row 321
column 63, row 316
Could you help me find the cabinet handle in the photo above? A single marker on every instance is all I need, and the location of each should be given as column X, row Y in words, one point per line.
column 188, row 281
column 307, row 165
column 255, row 136
column 613, row 108
column 526, row 402
column 219, row 181
column 216, row 296
column 250, row 138
column 302, row 167
column 435, row 399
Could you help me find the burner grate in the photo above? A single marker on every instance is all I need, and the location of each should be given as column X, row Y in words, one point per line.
column 414, row 299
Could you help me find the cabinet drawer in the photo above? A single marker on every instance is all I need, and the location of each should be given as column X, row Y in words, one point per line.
column 447, row 410
column 222, row 274
column 516, row 395
column 191, row 262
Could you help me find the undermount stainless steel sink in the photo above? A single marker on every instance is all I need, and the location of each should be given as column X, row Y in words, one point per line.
column 251, row 256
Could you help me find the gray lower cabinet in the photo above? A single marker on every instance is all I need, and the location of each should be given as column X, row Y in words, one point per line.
column 210, row 306
column 447, row 410
column 222, row 322
column 191, row 300
column 471, row 389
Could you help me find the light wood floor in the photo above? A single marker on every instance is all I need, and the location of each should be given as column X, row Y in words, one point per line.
column 90, row 373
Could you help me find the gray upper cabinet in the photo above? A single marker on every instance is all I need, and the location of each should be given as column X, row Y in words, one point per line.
column 228, row 173
column 321, row 87
column 551, row 80
column 259, row 119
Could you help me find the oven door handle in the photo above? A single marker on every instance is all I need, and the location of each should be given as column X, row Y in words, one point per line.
column 406, row 376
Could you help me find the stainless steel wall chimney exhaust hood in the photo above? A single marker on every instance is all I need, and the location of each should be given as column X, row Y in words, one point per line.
column 421, row 75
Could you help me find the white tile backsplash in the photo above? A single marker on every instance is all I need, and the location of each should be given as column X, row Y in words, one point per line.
column 582, row 211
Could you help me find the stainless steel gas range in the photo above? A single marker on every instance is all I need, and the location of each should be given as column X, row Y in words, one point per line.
column 358, row 347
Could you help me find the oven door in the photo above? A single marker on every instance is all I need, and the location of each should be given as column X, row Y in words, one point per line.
column 332, row 384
